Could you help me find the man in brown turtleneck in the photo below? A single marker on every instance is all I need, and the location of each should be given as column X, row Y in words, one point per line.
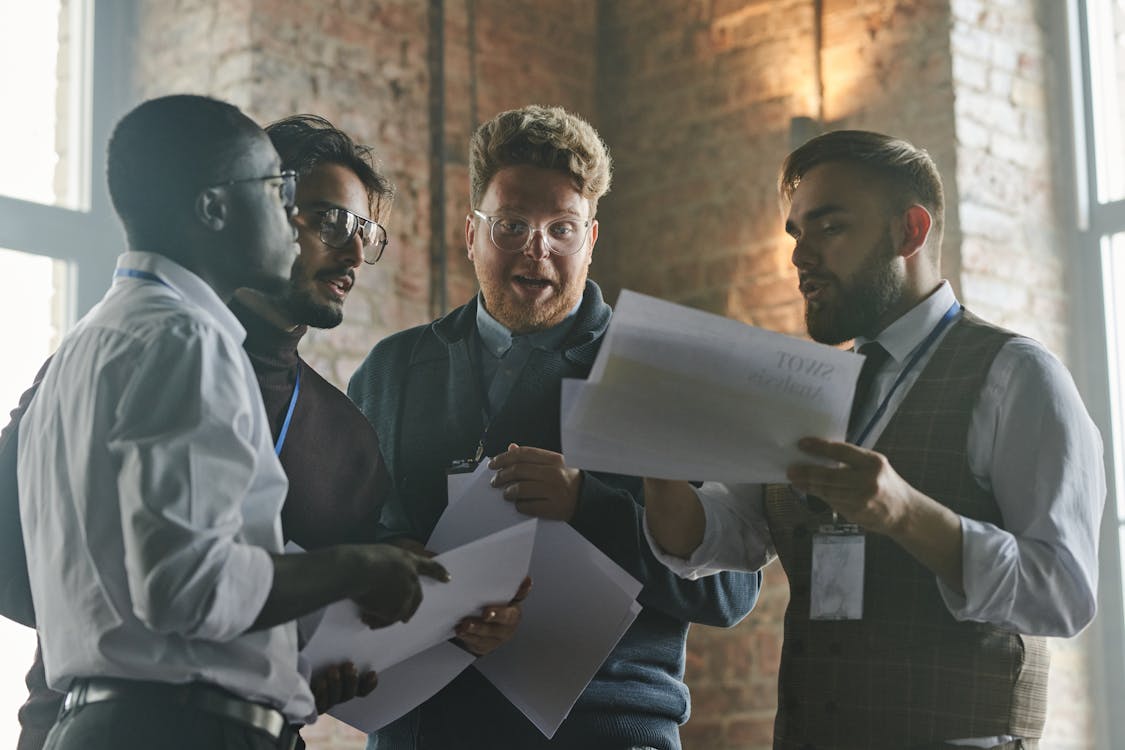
column 328, row 449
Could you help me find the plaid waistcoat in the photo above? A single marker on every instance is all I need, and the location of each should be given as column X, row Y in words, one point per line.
column 907, row 674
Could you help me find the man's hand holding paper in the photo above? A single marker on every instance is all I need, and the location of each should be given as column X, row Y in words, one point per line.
column 677, row 393
column 538, row 482
column 495, row 625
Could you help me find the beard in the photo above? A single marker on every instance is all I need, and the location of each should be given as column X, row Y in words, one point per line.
column 860, row 304
column 302, row 304
column 519, row 317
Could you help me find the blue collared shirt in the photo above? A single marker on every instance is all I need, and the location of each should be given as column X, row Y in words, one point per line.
column 503, row 356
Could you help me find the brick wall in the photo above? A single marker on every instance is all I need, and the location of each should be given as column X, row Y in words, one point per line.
column 696, row 101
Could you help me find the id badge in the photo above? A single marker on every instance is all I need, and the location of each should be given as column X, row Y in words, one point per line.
column 837, row 573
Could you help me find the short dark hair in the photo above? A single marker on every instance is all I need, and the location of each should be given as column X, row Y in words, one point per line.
column 909, row 172
column 164, row 151
column 304, row 142
column 547, row 137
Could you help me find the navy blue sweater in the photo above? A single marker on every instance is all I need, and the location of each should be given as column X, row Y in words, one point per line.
column 421, row 393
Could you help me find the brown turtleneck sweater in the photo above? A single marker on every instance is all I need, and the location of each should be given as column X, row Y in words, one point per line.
column 337, row 479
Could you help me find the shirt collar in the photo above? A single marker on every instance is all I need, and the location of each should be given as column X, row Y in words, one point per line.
column 497, row 339
column 904, row 335
column 183, row 282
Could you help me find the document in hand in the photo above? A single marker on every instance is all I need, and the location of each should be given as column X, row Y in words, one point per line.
column 414, row 659
column 677, row 393
column 580, row 604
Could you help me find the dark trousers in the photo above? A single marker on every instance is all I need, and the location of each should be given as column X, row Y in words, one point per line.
column 151, row 723
column 38, row 714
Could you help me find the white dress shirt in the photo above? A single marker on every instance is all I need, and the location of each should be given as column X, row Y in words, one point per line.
column 1031, row 443
column 150, row 497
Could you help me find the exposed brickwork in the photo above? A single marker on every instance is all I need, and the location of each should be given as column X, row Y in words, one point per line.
column 1014, row 267
column 695, row 100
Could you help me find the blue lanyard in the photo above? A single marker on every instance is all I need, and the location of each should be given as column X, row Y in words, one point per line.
column 289, row 414
column 146, row 275
column 919, row 351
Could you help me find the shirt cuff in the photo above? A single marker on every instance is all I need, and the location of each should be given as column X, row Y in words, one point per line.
column 688, row 568
column 730, row 540
column 986, row 552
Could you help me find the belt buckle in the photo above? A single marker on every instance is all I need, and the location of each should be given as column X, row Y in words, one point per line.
column 75, row 697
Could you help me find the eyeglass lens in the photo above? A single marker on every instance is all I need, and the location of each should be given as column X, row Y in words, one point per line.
column 563, row 237
column 339, row 225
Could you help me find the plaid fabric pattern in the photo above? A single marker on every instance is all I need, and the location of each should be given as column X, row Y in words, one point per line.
column 907, row 674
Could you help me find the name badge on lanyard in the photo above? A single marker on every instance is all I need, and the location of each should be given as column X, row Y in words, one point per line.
column 838, row 549
column 836, row 591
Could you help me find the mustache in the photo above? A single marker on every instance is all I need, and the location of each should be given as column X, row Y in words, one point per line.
column 337, row 273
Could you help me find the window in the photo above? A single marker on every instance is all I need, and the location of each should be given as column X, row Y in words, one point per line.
column 65, row 67
column 1097, row 56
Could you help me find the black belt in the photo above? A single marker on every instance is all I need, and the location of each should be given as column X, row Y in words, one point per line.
column 206, row 698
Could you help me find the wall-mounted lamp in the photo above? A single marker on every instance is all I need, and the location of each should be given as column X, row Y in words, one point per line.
column 802, row 129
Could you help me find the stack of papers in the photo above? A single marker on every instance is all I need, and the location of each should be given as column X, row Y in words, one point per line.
column 415, row 659
column 580, row 605
column 677, row 393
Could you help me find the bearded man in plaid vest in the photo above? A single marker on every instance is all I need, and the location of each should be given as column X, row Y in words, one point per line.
column 959, row 522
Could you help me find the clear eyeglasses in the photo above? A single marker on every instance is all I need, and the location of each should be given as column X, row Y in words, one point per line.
column 338, row 226
column 513, row 234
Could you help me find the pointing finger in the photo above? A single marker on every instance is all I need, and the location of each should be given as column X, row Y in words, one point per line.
column 432, row 569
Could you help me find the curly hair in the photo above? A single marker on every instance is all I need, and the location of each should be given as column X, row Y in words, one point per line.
column 548, row 137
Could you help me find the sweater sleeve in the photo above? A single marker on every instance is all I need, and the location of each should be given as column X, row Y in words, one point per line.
column 611, row 515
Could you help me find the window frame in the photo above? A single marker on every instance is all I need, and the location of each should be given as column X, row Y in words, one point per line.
column 89, row 240
column 1091, row 349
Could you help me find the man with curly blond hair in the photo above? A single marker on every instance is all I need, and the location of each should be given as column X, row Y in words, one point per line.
column 485, row 380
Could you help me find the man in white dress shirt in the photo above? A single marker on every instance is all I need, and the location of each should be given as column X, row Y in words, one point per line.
column 150, row 495
column 959, row 521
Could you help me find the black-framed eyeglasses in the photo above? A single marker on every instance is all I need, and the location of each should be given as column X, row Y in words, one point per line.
column 339, row 225
column 513, row 234
column 287, row 188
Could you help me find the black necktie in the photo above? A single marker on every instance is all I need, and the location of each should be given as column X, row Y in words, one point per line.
column 875, row 356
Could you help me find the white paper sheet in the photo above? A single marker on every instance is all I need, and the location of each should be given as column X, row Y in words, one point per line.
column 485, row 571
column 580, row 605
column 404, row 686
column 678, row 393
